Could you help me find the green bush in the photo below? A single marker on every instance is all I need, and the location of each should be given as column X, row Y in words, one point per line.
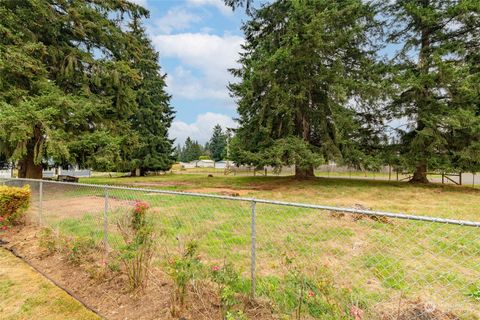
column 13, row 204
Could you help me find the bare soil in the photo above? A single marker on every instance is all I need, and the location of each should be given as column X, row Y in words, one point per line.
column 161, row 184
column 79, row 206
column 419, row 310
column 105, row 292
column 223, row 191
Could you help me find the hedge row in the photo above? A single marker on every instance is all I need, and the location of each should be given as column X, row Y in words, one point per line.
column 13, row 204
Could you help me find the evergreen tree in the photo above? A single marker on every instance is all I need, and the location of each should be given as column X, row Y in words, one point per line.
column 154, row 114
column 247, row 4
column 303, row 63
column 217, row 144
column 67, row 89
column 177, row 153
column 191, row 150
column 437, row 76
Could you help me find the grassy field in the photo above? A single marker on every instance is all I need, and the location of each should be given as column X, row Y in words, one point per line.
column 24, row 294
column 379, row 265
column 436, row 200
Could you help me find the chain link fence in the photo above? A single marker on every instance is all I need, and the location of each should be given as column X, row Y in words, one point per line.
column 302, row 261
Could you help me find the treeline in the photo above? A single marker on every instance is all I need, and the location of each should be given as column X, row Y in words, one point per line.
column 80, row 84
column 361, row 83
column 215, row 149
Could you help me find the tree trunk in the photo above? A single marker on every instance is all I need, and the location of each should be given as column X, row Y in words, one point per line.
column 420, row 174
column 303, row 173
column 303, row 125
column 28, row 168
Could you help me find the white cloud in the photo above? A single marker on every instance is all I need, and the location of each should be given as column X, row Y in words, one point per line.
column 219, row 4
column 201, row 129
column 183, row 84
column 176, row 18
column 209, row 55
column 142, row 3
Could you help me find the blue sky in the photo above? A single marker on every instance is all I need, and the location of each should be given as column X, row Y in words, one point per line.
column 198, row 40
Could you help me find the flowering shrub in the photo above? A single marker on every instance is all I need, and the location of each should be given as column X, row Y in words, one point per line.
column 137, row 252
column 13, row 204
column 139, row 213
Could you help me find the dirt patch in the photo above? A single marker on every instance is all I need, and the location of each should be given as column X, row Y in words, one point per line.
column 161, row 184
column 104, row 291
column 358, row 216
column 223, row 191
column 78, row 206
column 419, row 310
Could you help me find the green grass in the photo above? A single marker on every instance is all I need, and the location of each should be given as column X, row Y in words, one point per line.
column 24, row 294
column 377, row 261
column 387, row 269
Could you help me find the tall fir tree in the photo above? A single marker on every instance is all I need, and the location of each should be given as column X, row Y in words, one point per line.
column 303, row 64
column 66, row 85
column 154, row 115
column 436, row 77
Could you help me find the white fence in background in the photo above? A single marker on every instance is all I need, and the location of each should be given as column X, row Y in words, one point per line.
column 6, row 173
column 74, row 173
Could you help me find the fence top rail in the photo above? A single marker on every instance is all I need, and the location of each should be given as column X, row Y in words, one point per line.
column 394, row 215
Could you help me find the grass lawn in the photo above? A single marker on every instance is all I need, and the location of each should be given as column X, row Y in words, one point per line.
column 25, row 294
column 457, row 202
column 376, row 264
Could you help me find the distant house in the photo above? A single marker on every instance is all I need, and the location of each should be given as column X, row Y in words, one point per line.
column 224, row 164
column 187, row 165
column 205, row 164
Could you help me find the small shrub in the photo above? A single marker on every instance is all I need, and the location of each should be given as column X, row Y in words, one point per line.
column 13, row 204
column 235, row 315
column 77, row 248
column 184, row 269
column 228, row 279
column 48, row 240
column 137, row 253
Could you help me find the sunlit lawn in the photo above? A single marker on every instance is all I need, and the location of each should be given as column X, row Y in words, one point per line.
column 25, row 294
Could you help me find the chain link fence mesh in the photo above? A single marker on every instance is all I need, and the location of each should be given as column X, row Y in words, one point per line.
column 305, row 263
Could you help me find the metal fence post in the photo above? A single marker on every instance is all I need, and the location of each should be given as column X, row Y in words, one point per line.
column 40, row 203
column 254, row 238
column 105, row 221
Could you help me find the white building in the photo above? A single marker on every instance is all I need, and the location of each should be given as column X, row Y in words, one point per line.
column 205, row 164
